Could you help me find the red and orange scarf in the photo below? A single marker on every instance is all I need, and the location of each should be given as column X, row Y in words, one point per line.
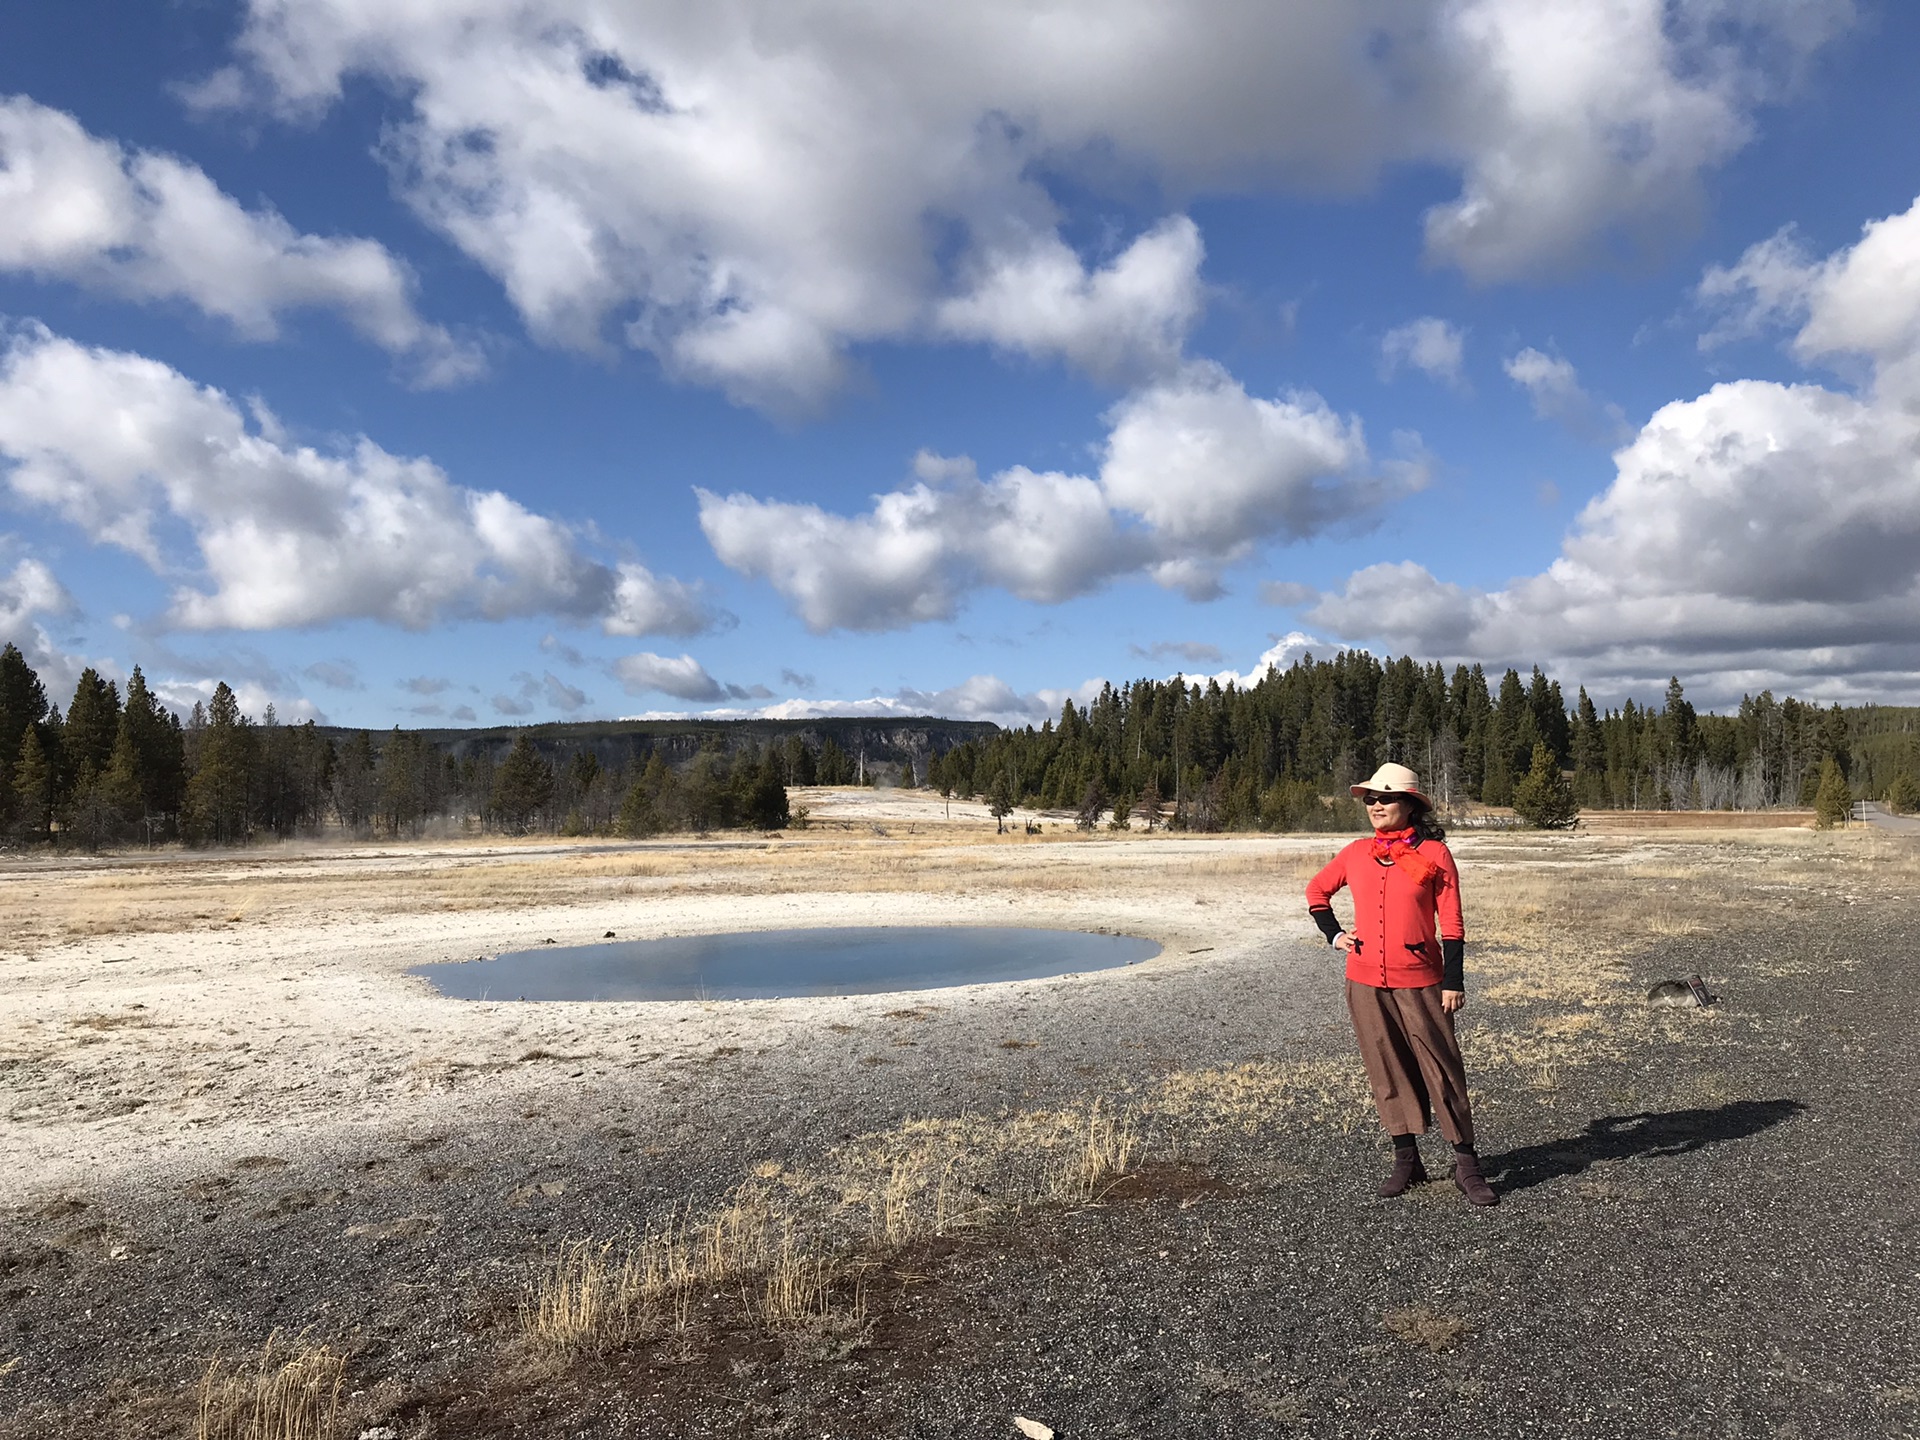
column 1398, row 846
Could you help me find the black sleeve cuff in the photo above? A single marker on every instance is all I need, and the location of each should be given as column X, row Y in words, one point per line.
column 1329, row 926
column 1453, row 960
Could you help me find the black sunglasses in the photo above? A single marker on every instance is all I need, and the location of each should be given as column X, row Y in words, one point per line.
column 1369, row 798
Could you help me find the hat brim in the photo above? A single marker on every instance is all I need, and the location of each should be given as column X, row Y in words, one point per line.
column 1358, row 790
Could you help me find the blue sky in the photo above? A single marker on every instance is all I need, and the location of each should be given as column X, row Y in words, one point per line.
column 461, row 361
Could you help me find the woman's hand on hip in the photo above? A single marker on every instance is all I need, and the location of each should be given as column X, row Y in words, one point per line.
column 1343, row 942
column 1452, row 1000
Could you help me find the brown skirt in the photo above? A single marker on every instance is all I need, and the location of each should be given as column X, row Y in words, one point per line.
column 1413, row 1060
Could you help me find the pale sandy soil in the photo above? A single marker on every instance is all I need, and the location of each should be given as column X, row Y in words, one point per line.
column 162, row 1014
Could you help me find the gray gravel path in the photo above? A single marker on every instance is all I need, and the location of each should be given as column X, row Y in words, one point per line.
column 1881, row 818
column 1695, row 1241
column 1740, row 1268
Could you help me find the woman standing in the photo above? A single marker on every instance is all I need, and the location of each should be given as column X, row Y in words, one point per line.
column 1404, row 981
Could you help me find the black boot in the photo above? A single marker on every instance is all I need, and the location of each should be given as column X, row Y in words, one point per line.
column 1473, row 1184
column 1407, row 1170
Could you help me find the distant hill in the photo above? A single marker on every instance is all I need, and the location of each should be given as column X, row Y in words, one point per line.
column 887, row 746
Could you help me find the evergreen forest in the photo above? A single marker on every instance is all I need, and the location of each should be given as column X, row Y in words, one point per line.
column 1279, row 755
column 117, row 768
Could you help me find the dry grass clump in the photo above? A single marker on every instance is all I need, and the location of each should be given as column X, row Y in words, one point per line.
column 936, row 1176
column 1110, row 1144
column 1246, row 1097
column 291, row 1392
column 581, row 1301
column 793, row 1246
column 596, row 1295
column 110, row 1022
column 1556, row 932
column 804, row 1290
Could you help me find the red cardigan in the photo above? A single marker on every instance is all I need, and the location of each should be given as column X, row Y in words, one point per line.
column 1394, row 944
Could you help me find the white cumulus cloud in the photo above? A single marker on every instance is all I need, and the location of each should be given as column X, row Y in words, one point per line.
column 255, row 698
column 1284, row 650
column 1862, row 301
column 1127, row 318
column 131, row 451
column 750, row 188
column 1553, row 386
column 1196, row 475
column 1211, row 469
column 988, row 697
column 917, row 551
column 148, row 226
column 680, row 676
column 1759, row 534
column 1434, row 347
column 563, row 697
column 30, row 595
column 645, row 603
column 978, row 697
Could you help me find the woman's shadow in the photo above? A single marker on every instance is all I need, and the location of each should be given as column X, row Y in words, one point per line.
column 1648, row 1135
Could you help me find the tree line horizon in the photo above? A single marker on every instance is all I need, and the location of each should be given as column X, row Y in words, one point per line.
column 1275, row 755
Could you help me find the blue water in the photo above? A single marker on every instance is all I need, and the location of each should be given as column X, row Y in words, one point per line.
column 765, row 964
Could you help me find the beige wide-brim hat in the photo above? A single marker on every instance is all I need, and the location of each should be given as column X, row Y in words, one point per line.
column 1392, row 780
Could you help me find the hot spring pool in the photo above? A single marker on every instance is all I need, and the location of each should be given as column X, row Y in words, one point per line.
column 767, row 964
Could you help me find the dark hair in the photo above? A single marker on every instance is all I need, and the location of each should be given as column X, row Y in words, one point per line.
column 1425, row 827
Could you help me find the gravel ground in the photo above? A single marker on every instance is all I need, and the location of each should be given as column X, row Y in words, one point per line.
column 1658, row 1265
column 1706, row 1229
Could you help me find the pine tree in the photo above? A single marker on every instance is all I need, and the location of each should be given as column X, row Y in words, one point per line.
column 1589, row 754
column 1549, row 713
column 1543, row 798
column 1150, row 807
column 23, row 703
column 89, row 810
column 1833, row 740
column 577, row 782
column 522, row 787
column 1093, row 804
column 649, row 801
column 275, row 800
column 1833, row 801
column 705, row 792
column 1679, row 726
column 217, row 808
column 397, row 783
column 1903, row 795
column 122, row 786
column 93, row 723
column 763, row 799
column 834, row 766
column 313, row 761
column 33, row 787
column 1000, row 800
column 53, row 743
column 800, row 761
column 353, row 785
column 1474, row 707
column 159, row 757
